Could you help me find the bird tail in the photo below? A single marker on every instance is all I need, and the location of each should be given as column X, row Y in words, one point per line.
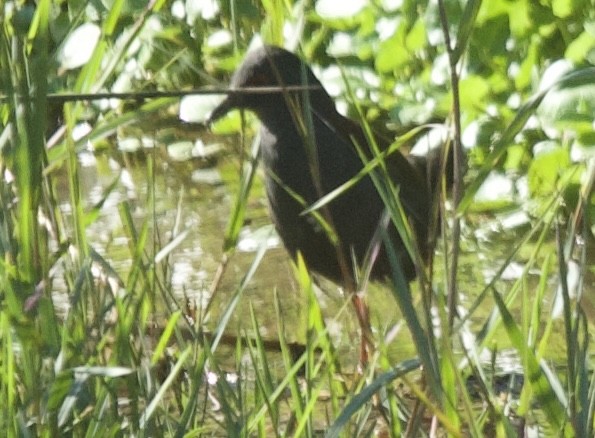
column 436, row 166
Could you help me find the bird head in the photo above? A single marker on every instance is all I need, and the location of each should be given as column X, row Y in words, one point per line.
column 266, row 78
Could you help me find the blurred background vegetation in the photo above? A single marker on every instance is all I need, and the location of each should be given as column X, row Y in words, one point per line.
column 131, row 302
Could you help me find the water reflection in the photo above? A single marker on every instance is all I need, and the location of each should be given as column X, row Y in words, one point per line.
column 196, row 201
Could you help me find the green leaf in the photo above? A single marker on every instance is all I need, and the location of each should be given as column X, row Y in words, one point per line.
column 392, row 53
column 524, row 76
column 520, row 18
column 565, row 8
column 570, row 105
column 574, row 79
column 546, row 169
column 578, row 50
column 416, row 38
column 474, row 90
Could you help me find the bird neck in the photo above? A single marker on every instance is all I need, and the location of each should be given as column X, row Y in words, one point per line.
column 290, row 113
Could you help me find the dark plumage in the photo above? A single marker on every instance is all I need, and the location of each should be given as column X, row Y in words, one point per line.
column 296, row 122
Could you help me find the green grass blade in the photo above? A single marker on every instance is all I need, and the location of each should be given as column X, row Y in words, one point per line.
column 161, row 393
column 541, row 380
column 364, row 396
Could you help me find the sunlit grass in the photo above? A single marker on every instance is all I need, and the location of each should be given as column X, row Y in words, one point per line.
column 112, row 361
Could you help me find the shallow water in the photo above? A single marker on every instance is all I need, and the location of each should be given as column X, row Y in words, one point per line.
column 195, row 196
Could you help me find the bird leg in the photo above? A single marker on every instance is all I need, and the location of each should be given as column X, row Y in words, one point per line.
column 362, row 312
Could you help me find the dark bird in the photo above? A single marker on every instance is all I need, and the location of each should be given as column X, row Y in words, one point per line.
column 308, row 150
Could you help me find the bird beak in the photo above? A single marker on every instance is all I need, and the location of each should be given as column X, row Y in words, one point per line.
column 222, row 109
